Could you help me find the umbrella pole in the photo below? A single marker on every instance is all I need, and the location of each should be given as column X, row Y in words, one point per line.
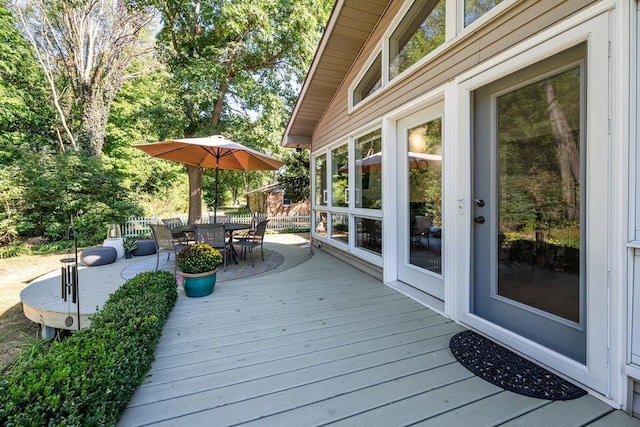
column 215, row 200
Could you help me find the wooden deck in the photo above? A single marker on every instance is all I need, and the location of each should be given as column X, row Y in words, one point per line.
column 322, row 343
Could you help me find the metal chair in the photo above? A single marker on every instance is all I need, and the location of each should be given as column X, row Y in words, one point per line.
column 254, row 239
column 174, row 225
column 165, row 242
column 215, row 236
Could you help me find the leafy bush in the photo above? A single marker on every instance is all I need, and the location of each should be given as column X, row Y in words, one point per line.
column 89, row 378
column 50, row 189
column 198, row 258
column 14, row 249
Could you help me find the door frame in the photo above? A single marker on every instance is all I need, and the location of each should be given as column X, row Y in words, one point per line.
column 592, row 28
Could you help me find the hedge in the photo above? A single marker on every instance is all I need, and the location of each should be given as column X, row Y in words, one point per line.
column 88, row 378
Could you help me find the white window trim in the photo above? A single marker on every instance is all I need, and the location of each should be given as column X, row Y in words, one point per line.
column 350, row 211
column 363, row 71
column 483, row 20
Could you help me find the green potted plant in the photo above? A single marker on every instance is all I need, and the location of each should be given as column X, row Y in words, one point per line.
column 130, row 244
column 198, row 266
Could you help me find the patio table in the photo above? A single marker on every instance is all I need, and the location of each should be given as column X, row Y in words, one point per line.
column 230, row 227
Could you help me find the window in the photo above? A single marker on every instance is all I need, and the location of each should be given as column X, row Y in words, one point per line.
column 368, row 171
column 286, row 201
column 321, row 180
column 340, row 176
column 474, row 9
column 320, row 223
column 420, row 32
column 340, row 227
column 369, row 234
column 351, row 218
column 371, row 81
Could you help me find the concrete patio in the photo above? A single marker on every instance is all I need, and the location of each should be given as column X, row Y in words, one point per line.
column 317, row 343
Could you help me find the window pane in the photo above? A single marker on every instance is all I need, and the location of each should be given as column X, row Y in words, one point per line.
column 425, row 195
column 321, row 180
column 369, row 171
column 474, row 9
column 369, row 234
column 321, row 223
column 421, row 31
column 539, row 194
column 340, row 227
column 340, row 176
column 371, row 82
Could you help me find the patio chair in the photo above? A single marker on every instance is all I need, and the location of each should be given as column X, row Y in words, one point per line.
column 253, row 240
column 215, row 236
column 175, row 225
column 421, row 230
column 165, row 242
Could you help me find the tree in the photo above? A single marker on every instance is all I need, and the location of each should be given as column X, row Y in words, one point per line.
column 25, row 118
column 294, row 176
column 84, row 47
column 237, row 62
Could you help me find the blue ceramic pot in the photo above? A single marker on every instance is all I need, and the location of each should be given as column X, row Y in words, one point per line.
column 199, row 285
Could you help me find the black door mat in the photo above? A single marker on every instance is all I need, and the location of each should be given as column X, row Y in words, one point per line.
column 508, row 370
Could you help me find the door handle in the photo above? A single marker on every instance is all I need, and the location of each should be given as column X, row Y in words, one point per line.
column 479, row 220
column 479, row 202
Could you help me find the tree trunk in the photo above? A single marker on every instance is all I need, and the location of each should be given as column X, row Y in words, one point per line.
column 93, row 126
column 566, row 151
column 195, row 193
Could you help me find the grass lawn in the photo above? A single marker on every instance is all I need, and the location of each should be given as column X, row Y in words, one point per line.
column 15, row 275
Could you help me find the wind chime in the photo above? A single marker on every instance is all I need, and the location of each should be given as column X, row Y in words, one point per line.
column 69, row 278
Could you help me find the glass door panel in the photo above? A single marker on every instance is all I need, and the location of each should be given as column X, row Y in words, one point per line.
column 424, row 168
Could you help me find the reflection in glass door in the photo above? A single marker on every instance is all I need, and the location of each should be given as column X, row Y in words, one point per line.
column 420, row 229
column 424, row 175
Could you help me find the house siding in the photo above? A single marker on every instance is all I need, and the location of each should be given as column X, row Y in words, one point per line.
column 516, row 24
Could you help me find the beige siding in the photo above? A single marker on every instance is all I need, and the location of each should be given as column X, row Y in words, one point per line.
column 517, row 24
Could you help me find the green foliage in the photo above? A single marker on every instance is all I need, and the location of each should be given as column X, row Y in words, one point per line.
column 49, row 190
column 144, row 111
column 198, row 258
column 130, row 244
column 294, row 176
column 52, row 247
column 15, row 249
column 89, row 378
column 293, row 230
column 25, row 116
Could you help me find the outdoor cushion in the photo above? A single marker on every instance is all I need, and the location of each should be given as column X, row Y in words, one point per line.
column 145, row 247
column 98, row 255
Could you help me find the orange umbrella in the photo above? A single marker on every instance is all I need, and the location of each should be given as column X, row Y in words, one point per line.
column 212, row 152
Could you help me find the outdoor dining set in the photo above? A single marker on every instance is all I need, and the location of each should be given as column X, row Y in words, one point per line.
column 173, row 235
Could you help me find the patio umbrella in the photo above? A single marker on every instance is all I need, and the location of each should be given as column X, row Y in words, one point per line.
column 211, row 152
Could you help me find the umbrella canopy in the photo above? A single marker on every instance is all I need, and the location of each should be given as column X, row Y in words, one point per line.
column 212, row 152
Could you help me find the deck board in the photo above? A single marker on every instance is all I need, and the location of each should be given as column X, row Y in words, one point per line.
column 323, row 343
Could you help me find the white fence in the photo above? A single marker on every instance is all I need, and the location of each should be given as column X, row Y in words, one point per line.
column 139, row 226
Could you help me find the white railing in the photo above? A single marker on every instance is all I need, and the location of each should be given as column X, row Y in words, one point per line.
column 139, row 226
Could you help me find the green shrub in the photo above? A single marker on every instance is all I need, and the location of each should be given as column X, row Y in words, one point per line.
column 89, row 378
column 14, row 249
